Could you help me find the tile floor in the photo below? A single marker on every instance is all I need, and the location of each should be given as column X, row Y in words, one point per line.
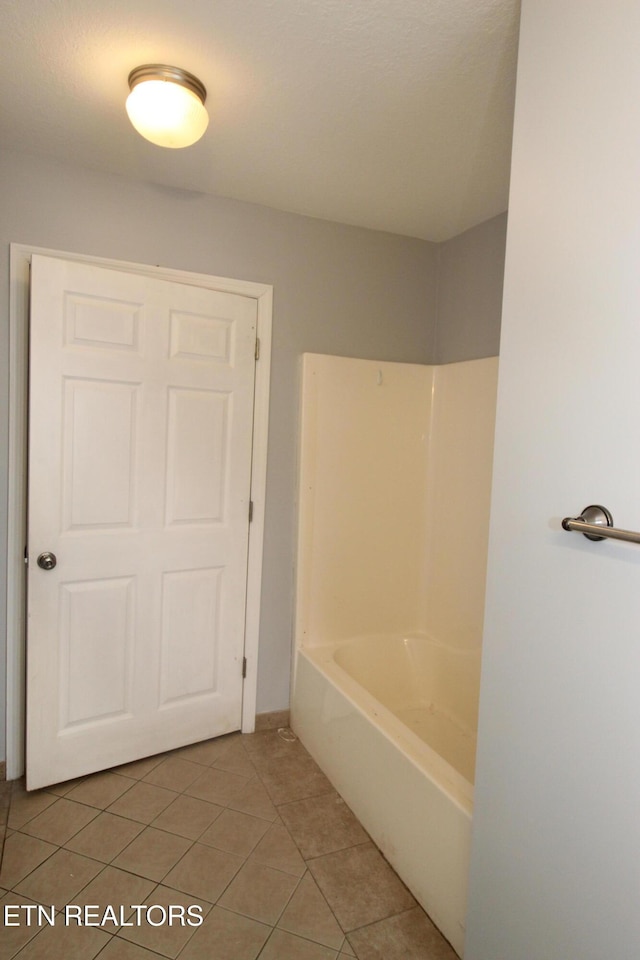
column 245, row 827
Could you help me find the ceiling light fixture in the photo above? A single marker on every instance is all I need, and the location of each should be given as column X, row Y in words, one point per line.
column 166, row 105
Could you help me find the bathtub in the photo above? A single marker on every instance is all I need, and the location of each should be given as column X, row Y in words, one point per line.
column 391, row 720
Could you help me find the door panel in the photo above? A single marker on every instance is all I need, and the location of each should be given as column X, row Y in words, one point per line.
column 96, row 640
column 141, row 405
column 196, row 464
column 98, row 479
column 190, row 609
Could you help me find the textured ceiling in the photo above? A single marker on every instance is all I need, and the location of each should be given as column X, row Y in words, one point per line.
column 389, row 114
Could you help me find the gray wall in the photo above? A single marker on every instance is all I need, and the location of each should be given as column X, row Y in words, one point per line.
column 337, row 289
column 471, row 268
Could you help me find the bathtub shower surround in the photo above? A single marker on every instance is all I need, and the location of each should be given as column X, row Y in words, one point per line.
column 395, row 479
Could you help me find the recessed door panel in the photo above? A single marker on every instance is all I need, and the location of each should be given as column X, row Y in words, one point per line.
column 190, row 633
column 96, row 635
column 101, row 323
column 197, row 458
column 99, row 455
column 197, row 337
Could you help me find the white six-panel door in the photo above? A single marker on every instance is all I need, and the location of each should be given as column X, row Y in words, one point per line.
column 141, row 405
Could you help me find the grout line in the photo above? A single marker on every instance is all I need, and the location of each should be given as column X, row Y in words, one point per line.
column 149, row 898
column 48, row 857
column 50, row 807
column 152, row 953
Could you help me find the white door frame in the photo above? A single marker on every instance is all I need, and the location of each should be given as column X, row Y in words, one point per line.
column 20, row 258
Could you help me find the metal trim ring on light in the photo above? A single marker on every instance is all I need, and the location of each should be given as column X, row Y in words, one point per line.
column 161, row 71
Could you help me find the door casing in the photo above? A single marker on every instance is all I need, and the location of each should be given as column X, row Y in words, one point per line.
column 20, row 258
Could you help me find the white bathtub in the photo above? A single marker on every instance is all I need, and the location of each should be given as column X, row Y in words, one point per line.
column 391, row 721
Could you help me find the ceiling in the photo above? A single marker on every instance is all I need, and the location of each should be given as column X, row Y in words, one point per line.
column 389, row 114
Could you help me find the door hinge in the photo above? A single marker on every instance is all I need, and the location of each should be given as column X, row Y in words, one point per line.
column 257, row 348
column 244, row 668
column 26, row 556
column 250, row 510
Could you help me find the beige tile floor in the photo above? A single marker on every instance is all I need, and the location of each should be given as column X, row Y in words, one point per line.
column 247, row 828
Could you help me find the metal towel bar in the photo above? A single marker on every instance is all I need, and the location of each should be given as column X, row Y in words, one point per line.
column 596, row 523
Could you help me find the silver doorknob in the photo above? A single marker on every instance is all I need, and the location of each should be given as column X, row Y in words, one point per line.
column 47, row 561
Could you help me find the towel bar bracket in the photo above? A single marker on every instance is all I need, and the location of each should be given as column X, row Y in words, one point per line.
column 596, row 523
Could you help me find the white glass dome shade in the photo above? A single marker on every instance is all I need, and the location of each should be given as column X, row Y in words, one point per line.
column 166, row 105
